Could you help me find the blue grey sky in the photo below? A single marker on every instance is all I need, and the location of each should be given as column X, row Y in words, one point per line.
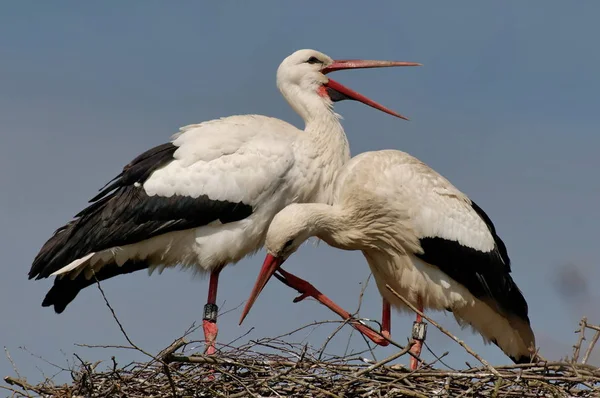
column 505, row 106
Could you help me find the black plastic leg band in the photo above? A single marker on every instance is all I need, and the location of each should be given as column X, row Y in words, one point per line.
column 210, row 312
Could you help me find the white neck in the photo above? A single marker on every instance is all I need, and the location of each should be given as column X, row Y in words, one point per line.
column 372, row 228
column 306, row 102
column 325, row 132
column 330, row 224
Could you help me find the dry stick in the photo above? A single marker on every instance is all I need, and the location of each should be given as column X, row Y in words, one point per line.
column 360, row 300
column 332, row 335
column 259, row 385
column 164, row 355
column 447, row 333
column 382, row 362
column 88, row 370
column 241, row 383
column 167, row 352
column 14, row 366
column 310, row 386
column 577, row 346
column 345, row 322
column 481, row 375
column 268, row 379
column 407, row 375
column 438, row 358
column 121, row 347
column 13, row 390
column 44, row 360
column 229, row 345
column 591, row 347
column 406, row 392
column 593, row 327
column 26, row 386
column 362, row 292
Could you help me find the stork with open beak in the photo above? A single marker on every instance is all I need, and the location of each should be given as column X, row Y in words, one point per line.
column 205, row 198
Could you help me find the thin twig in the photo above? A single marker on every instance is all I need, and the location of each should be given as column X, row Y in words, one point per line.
column 332, row 335
column 382, row 362
column 438, row 358
column 14, row 366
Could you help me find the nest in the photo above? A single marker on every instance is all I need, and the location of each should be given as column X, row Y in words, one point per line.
column 292, row 370
column 274, row 367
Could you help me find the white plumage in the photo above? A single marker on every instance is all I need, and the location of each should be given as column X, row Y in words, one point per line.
column 421, row 236
column 205, row 199
column 256, row 166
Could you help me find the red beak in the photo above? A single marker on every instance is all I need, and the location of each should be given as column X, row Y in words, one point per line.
column 339, row 92
column 270, row 265
column 342, row 64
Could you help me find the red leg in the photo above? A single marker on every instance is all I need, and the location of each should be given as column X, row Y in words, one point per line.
column 418, row 336
column 308, row 290
column 209, row 323
column 386, row 319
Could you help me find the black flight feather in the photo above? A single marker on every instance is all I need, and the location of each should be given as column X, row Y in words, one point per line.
column 485, row 274
column 122, row 213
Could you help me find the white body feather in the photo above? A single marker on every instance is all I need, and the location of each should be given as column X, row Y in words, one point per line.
column 385, row 202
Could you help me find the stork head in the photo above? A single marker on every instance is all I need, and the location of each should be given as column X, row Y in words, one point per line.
column 291, row 227
column 302, row 80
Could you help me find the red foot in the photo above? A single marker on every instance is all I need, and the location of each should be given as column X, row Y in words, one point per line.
column 307, row 290
column 210, row 336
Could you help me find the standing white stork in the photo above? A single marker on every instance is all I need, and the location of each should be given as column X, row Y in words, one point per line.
column 419, row 234
column 205, row 199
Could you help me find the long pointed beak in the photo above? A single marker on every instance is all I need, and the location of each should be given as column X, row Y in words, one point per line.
column 270, row 265
column 339, row 92
column 342, row 64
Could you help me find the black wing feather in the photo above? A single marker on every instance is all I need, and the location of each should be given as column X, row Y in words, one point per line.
column 140, row 168
column 65, row 290
column 485, row 274
column 122, row 213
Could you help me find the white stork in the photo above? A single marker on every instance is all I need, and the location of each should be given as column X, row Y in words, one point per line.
column 419, row 234
column 205, row 199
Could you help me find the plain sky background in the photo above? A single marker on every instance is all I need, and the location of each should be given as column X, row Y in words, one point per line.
column 506, row 106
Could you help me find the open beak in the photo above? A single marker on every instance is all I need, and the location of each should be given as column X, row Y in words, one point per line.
column 269, row 267
column 339, row 92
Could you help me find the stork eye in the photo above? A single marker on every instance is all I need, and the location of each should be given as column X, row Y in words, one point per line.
column 314, row 60
column 288, row 244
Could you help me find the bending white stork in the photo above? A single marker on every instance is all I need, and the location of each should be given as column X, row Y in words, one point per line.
column 419, row 234
column 205, row 199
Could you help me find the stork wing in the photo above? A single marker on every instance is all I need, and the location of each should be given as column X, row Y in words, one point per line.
column 457, row 236
column 215, row 171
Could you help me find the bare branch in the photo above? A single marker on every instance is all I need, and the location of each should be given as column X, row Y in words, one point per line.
column 577, row 346
column 590, row 347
